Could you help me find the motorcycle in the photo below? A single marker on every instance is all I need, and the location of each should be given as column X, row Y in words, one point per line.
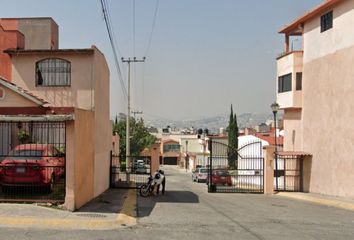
column 147, row 188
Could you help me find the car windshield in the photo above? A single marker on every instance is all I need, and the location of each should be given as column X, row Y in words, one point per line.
column 24, row 154
column 203, row 170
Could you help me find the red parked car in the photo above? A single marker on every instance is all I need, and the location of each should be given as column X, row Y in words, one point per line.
column 32, row 165
column 220, row 177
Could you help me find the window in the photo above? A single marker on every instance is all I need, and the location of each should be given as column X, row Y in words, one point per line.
column 171, row 148
column 327, row 21
column 53, row 72
column 2, row 93
column 284, row 83
column 299, row 81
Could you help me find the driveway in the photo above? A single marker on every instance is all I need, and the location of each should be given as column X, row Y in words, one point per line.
column 187, row 211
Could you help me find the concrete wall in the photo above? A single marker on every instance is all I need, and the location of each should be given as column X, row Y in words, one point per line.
column 81, row 92
column 12, row 99
column 328, row 114
column 70, row 166
column 80, row 152
column 292, row 130
column 291, row 63
column 9, row 38
column 84, row 157
column 103, row 125
column 317, row 44
column 328, row 87
column 40, row 33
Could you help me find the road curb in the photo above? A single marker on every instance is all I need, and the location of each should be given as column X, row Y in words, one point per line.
column 318, row 200
column 127, row 216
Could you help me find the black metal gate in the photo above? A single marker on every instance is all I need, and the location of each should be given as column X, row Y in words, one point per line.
column 245, row 174
column 32, row 161
column 288, row 173
column 129, row 176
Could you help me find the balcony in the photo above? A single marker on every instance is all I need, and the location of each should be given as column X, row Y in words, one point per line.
column 289, row 80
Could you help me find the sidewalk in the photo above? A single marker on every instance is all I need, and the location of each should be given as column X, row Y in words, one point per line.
column 113, row 209
column 330, row 201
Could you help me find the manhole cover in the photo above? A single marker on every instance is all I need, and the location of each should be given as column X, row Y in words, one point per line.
column 91, row 215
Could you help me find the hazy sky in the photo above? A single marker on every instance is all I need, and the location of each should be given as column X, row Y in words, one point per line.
column 204, row 55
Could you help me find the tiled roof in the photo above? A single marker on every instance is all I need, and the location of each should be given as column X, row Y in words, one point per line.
column 290, row 153
column 23, row 92
column 270, row 138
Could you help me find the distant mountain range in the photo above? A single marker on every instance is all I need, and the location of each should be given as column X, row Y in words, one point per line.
column 212, row 123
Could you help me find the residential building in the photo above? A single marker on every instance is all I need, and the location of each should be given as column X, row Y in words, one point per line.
column 170, row 150
column 315, row 90
column 42, row 83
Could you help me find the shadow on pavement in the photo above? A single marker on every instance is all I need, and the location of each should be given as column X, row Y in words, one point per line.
column 111, row 201
column 146, row 205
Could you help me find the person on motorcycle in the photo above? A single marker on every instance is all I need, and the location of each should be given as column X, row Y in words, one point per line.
column 159, row 178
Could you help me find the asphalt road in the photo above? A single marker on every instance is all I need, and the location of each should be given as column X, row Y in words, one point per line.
column 187, row 211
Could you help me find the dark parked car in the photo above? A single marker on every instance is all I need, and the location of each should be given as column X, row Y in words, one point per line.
column 32, row 165
column 220, row 177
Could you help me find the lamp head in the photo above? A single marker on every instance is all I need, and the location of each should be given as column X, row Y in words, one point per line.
column 275, row 107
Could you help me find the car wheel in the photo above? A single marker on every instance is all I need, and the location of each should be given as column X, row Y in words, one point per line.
column 198, row 180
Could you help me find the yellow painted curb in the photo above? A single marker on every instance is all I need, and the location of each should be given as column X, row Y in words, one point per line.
column 128, row 213
column 321, row 201
column 57, row 223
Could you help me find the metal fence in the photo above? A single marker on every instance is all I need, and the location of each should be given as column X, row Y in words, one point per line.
column 32, row 161
column 132, row 175
column 244, row 174
column 288, row 173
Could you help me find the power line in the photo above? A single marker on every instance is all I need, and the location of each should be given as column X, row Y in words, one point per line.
column 133, row 27
column 152, row 27
column 114, row 48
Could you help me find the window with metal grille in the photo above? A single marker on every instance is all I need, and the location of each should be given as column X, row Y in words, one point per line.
column 53, row 72
column 299, row 81
column 326, row 21
column 284, row 83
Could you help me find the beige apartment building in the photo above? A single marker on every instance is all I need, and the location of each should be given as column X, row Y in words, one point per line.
column 315, row 88
column 40, row 82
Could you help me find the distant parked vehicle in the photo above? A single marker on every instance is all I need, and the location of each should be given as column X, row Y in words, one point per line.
column 40, row 165
column 199, row 175
column 220, row 177
column 139, row 166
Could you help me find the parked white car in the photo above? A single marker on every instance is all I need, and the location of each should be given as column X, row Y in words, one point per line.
column 200, row 175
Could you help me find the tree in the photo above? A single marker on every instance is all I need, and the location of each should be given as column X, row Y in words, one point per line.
column 140, row 137
column 233, row 141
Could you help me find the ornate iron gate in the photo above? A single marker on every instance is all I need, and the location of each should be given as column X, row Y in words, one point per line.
column 244, row 175
column 32, row 161
column 133, row 176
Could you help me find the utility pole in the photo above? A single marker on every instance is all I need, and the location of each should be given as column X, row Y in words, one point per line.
column 127, row 139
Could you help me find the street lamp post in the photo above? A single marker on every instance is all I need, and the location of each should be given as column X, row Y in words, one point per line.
column 275, row 108
column 187, row 157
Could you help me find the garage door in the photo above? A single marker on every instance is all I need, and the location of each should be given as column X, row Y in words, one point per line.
column 170, row 160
